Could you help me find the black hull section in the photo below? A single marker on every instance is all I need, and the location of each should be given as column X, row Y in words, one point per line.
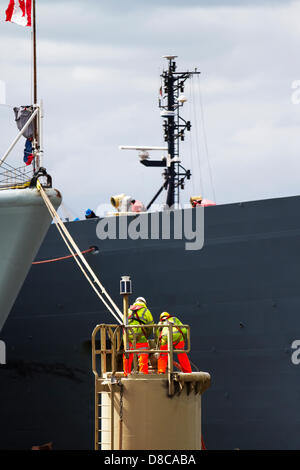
column 240, row 294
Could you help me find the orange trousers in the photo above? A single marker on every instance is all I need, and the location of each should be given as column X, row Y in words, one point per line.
column 183, row 359
column 143, row 359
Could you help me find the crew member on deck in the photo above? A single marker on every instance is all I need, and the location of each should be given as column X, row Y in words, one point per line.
column 137, row 206
column 89, row 214
column 197, row 201
column 179, row 336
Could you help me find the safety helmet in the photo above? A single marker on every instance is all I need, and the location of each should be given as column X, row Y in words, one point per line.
column 88, row 212
column 164, row 316
column 140, row 299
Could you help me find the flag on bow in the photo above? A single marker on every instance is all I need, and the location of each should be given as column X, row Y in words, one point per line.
column 19, row 12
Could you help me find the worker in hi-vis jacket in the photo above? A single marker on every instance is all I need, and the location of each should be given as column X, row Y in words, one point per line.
column 179, row 334
column 138, row 314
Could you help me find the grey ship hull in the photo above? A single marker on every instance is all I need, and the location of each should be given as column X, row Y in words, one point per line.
column 240, row 294
column 24, row 223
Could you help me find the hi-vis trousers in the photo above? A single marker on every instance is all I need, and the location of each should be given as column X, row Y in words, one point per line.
column 143, row 359
column 182, row 357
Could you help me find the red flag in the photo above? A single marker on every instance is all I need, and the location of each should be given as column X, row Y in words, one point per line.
column 29, row 159
column 19, row 12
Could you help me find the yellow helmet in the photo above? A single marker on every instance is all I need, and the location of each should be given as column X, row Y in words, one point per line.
column 164, row 316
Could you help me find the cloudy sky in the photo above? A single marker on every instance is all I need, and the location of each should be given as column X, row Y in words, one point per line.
column 99, row 65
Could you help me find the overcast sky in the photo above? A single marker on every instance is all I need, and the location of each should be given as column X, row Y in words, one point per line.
column 99, row 65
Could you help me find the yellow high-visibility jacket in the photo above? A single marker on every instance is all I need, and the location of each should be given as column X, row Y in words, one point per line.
column 179, row 333
column 141, row 315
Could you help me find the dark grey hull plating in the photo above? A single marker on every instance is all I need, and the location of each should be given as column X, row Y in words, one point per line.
column 240, row 294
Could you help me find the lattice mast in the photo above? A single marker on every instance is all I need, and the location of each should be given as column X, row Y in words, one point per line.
column 171, row 102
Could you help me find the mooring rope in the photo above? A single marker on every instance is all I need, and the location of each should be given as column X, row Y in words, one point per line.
column 79, row 258
column 84, row 252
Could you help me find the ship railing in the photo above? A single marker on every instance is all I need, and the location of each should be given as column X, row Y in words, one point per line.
column 11, row 177
column 113, row 342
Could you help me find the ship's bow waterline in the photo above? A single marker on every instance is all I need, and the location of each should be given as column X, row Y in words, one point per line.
column 24, row 221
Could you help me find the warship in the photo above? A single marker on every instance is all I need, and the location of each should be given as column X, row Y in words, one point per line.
column 239, row 293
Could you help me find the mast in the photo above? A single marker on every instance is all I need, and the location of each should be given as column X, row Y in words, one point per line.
column 174, row 128
column 170, row 124
column 34, row 53
column 36, row 143
column 25, row 15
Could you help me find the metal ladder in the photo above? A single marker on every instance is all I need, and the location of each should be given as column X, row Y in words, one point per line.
column 99, row 418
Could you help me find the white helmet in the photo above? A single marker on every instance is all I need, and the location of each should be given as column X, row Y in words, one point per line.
column 140, row 299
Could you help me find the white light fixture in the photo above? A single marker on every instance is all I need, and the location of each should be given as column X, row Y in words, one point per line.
column 182, row 98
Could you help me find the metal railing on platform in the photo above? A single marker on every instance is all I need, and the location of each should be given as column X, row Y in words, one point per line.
column 116, row 336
